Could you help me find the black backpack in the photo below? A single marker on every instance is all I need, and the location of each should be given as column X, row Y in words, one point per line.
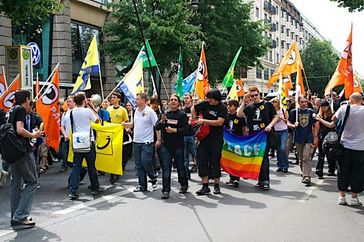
column 12, row 148
column 2, row 116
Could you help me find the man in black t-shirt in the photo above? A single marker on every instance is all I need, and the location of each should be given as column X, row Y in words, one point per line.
column 24, row 173
column 237, row 126
column 260, row 115
column 209, row 150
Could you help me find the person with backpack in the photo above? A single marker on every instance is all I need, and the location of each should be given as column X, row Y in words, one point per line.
column 24, row 172
column 351, row 160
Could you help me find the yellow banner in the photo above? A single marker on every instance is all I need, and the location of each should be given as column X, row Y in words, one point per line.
column 109, row 147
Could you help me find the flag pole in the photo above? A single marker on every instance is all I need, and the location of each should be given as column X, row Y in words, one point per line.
column 100, row 77
column 304, row 73
column 48, row 79
column 147, row 52
column 11, row 84
column 196, row 79
column 164, row 85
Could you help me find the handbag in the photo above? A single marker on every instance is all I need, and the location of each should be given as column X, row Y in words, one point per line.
column 202, row 131
column 81, row 141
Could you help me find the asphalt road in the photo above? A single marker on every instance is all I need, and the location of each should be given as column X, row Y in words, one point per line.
column 289, row 211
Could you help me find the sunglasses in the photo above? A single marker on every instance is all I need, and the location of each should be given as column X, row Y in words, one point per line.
column 254, row 95
column 303, row 102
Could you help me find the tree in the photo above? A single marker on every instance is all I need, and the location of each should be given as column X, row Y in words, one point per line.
column 226, row 26
column 319, row 60
column 165, row 23
column 20, row 11
column 352, row 5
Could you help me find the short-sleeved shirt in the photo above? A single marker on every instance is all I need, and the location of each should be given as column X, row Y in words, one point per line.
column 82, row 118
column 18, row 113
column 353, row 134
column 66, row 121
column 118, row 115
column 303, row 133
column 144, row 122
column 211, row 112
column 259, row 115
column 235, row 124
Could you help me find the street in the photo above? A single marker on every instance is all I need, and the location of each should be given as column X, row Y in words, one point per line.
column 289, row 211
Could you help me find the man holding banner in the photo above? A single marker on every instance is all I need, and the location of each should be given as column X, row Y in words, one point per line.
column 260, row 115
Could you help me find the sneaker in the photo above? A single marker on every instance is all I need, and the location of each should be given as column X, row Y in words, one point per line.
column 183, row 190
column 73, row 196
column 259, row 185
column 279, row 170
column 331, row 174
column 203, row 191
column 306, row 180
column 4, row 177
column 165, row 195
column 193, row 168
column 154, row 183
column 96, row 192
column 342, row 201
column 230, row 182
column 236, row 183
column 355, row 202
column 139, row 189
column 266, row 186
column 217, row 189
column 285, row 170
column 22, row 224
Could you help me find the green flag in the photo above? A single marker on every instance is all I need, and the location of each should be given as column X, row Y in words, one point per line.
column 229, row 77
column 143, row 55
column 179, row 91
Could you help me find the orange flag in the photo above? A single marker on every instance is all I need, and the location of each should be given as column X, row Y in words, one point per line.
column 287, row 85
column 240, row 88
column 288, row 64
column 48, row 108
column 202, row 83
column 343, row 74
column 7, row 98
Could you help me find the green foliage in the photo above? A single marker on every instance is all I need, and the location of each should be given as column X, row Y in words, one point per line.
column 20, row 11
column 166, row 23
column 226, row 26
column 319, row 61
column 352, row 5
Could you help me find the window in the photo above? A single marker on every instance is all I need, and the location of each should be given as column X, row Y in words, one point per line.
column 282, row 29
column 282, row 14
column 283, row 43
column 277, row 41
column 259, row 73
column 266, row 74
column 287, row 32
column 81, row 36
column 287, row 45
column 277, row 60
column 257, row 12
column 270, row 56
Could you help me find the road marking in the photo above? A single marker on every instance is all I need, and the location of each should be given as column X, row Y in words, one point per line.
column 93, row 202
column 5, row 232
column 310, row 191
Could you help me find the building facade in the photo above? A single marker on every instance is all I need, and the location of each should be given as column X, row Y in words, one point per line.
column 64, row 38
column 287, row 25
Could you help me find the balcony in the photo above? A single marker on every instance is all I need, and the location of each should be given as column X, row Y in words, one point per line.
column 270, row 8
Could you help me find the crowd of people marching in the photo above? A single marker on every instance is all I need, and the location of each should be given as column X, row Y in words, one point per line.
column 160, row 137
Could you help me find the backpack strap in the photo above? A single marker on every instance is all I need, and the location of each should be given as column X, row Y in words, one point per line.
column 344, row 121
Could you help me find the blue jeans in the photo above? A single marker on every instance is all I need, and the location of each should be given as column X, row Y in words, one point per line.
column 77, row 166
column 282, row 156
column 166, row 154
column 21, row 198
column 143, row 153
column 189, row 147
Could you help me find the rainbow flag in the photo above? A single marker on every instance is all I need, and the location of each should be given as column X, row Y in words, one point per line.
column 242, row 156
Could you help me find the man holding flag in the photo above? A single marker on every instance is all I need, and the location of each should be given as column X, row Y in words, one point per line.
column 260, row 115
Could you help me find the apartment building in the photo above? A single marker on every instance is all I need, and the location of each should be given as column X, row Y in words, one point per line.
column 287, row 24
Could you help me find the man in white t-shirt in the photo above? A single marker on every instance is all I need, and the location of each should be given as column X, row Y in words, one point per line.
column 81, row 118
column 66, row 131
column 351, row 163
column 144, row 121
